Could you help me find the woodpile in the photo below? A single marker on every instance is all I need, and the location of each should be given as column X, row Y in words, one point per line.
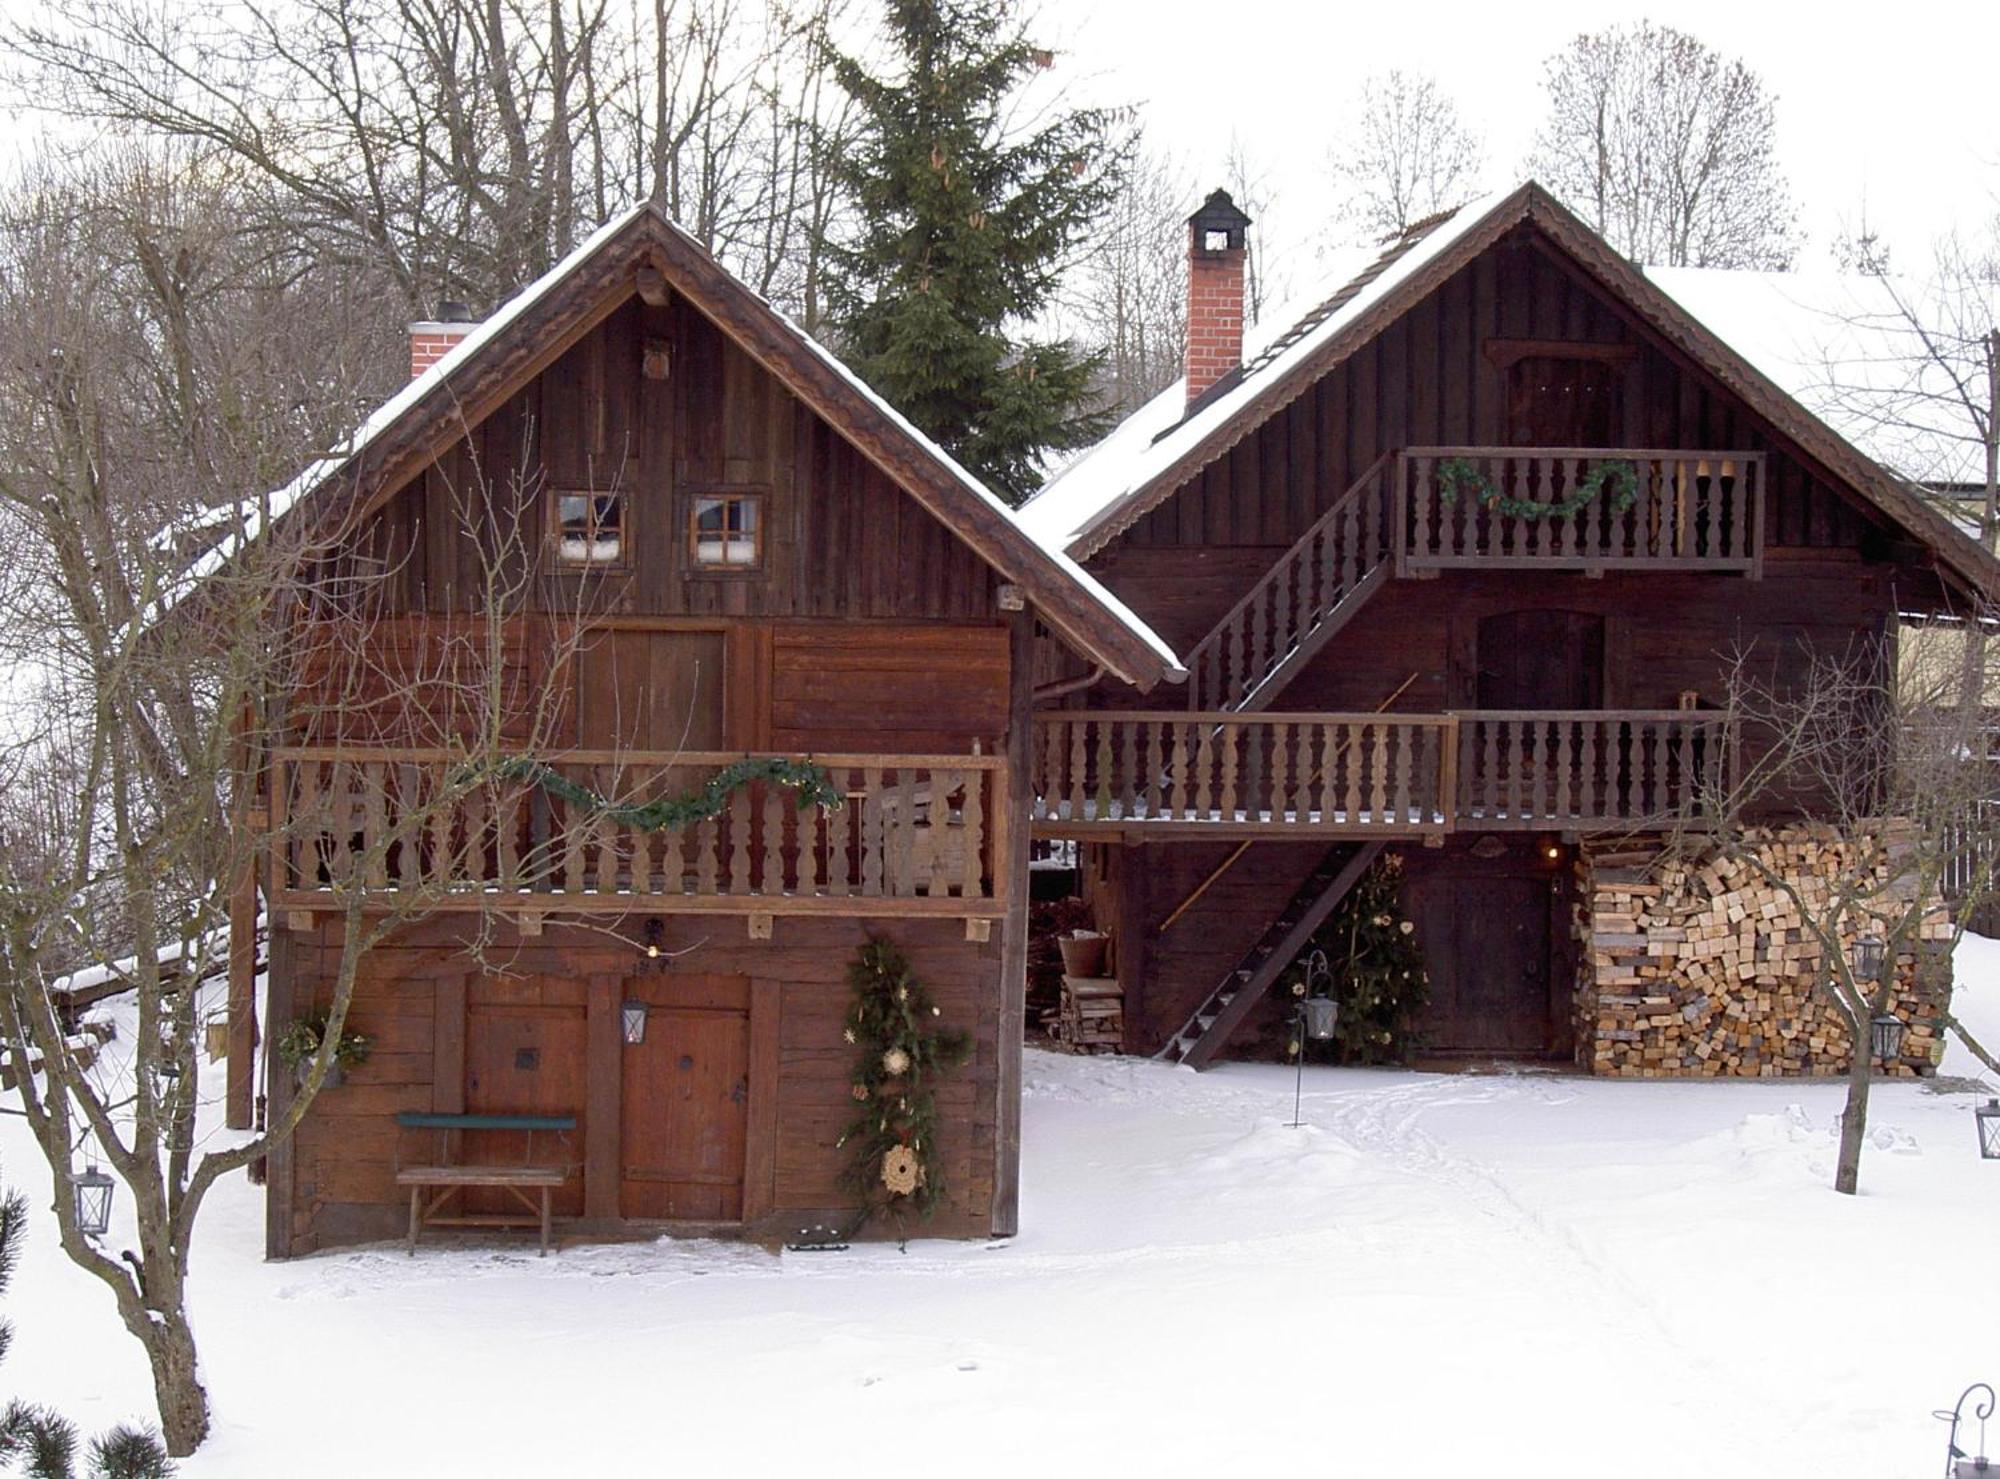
column 1700, row 967
column 1092, row 1015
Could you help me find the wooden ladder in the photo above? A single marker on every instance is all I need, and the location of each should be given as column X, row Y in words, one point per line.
column 1312, row 591
column 1224, row 1009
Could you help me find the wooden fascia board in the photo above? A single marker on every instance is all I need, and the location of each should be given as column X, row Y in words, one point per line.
column 1287, row 387
column 756, row 329
column 1820, row 443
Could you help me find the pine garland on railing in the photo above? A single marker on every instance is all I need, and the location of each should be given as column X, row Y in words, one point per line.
column 1455, row 473
column 814, row 784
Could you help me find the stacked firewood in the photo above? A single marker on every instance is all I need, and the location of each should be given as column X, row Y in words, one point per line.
column 1696, row 967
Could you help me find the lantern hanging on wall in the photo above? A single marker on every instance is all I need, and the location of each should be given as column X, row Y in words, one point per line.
column 1986, row 1118
column 93, row 1202
column 632, row 1018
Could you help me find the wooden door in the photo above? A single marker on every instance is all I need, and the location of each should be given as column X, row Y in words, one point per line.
column 685, row 1096
column 1541, row 660
column 643, row 690
column 1558, row 401
column 525, row 1055
column 1486, row 942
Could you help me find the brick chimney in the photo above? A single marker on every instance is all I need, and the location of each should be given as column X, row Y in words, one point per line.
column 432, row 339
column 1215, row 293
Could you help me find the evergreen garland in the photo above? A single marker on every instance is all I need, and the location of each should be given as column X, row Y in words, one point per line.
column 892, row 1143
column 1456, row 473
column 815, row 787
column 1377, row 966
column 964, row 224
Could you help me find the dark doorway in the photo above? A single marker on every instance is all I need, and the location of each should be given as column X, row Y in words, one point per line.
column 524, row 1057
column 1487, row 917
column 1541, row 660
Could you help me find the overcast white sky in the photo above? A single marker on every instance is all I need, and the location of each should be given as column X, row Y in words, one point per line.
column 1894, row 101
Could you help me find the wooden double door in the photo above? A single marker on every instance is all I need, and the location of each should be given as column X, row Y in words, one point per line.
column 685, row 1100
column 1490, row 918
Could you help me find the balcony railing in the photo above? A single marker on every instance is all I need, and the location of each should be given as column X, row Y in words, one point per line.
column 1380, row 775
column 916, row 835
column 1470, row 507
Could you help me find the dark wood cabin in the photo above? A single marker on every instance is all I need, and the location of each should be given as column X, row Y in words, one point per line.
column 714, row 544
column 1374, row 665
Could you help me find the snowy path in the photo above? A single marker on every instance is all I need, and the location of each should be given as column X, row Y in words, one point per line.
column 1520, row 1274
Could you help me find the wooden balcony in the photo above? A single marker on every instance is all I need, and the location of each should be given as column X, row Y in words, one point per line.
column 1369, row 775
column 1689, row 510
column 401, row 828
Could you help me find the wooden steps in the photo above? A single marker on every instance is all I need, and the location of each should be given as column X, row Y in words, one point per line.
column 1201, row 1037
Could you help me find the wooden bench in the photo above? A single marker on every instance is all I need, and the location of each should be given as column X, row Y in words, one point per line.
column 447, row 1180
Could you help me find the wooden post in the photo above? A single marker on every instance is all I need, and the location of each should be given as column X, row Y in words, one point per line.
column 279, row 1181
column 603, row 1068
column 1010, row 877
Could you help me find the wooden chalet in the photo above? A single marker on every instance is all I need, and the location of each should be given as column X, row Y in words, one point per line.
column 761, row 559
column 1376, row 664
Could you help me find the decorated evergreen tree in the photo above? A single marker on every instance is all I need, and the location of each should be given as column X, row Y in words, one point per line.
column 42, row 1443
column 1376, row 966
column 963, row 229
column 893, row 1154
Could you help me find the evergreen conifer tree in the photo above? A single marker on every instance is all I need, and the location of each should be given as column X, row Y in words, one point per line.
column 1377, row 967
column 962, row 231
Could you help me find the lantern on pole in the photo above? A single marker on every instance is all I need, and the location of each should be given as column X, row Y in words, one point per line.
column 1320, row 1014
column 1986, row 1119
column 93, row 1202
column 1957, row 1463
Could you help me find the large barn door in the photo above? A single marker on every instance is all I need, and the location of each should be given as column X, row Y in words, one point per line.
column 1541, row 660
column 524, row 1054
column 1486, row 917
column 686, row 1101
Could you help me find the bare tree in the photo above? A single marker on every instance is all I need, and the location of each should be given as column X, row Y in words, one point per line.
column 1667, row 148
column 1849, row 802
column 155, row 362
column 1403, row 155
column 1130, row 296
column 466, row 145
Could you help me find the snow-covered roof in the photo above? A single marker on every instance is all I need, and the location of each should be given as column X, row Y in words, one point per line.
column 1157, row 435
column 433, row 386
column 1846, row 347
column 1838, row 345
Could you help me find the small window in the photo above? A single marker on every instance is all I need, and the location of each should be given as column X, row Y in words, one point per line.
column 590, row 528
column 725, row 532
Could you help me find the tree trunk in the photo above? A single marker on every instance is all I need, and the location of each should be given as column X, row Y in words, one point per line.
column 1854, row 1119
column 169, row 1342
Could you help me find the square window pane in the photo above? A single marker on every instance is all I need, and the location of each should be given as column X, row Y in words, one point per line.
column 725, row 532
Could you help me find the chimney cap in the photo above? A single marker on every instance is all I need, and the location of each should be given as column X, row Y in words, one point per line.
column 455, row 311
column 1218, row 225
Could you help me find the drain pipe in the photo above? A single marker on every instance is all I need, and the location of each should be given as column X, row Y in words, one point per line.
column 1068, row 685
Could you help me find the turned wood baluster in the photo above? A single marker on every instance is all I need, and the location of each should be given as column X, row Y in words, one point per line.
column 1539, row 751
column 871, row 831
column 1489, row 754
column 1517, row 762
column 1181, row 803
column 773, row 876
column 1280, row 772
column 840, row 838
column 708, row 857
column 1562, row 728
column 1378, row 772
column 971, row 879
column 1228, row 739
column 903, row 836
column 1628, row 748
column 1400, row 799
column 1351, row 761
column 1151, row 762
column 1658, row 798
column 1586, row 770
column 1079, row 780
column 1329, row 757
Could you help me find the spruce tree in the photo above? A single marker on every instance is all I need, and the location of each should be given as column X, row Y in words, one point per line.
column 962, row 231
column 1377, row 967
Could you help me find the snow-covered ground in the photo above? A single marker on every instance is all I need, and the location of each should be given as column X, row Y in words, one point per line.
column 1513, row 1274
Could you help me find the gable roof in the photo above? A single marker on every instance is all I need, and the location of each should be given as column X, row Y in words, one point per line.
column 1159, row 448
column 534, row 328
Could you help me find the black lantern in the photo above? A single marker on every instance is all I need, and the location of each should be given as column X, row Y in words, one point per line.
column 1217, row 227
column 632, row 1018
column 93, row 1202
column 1885, row 1038
column 1986, row 1118
column 655, row 948
column 1319, row 1014
column 1866, row 958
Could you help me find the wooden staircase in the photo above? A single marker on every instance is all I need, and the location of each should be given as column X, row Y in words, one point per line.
column 1308, row 595
column 1220, row 1013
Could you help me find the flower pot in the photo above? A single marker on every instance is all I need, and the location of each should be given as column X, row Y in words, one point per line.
column 1082, row 953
